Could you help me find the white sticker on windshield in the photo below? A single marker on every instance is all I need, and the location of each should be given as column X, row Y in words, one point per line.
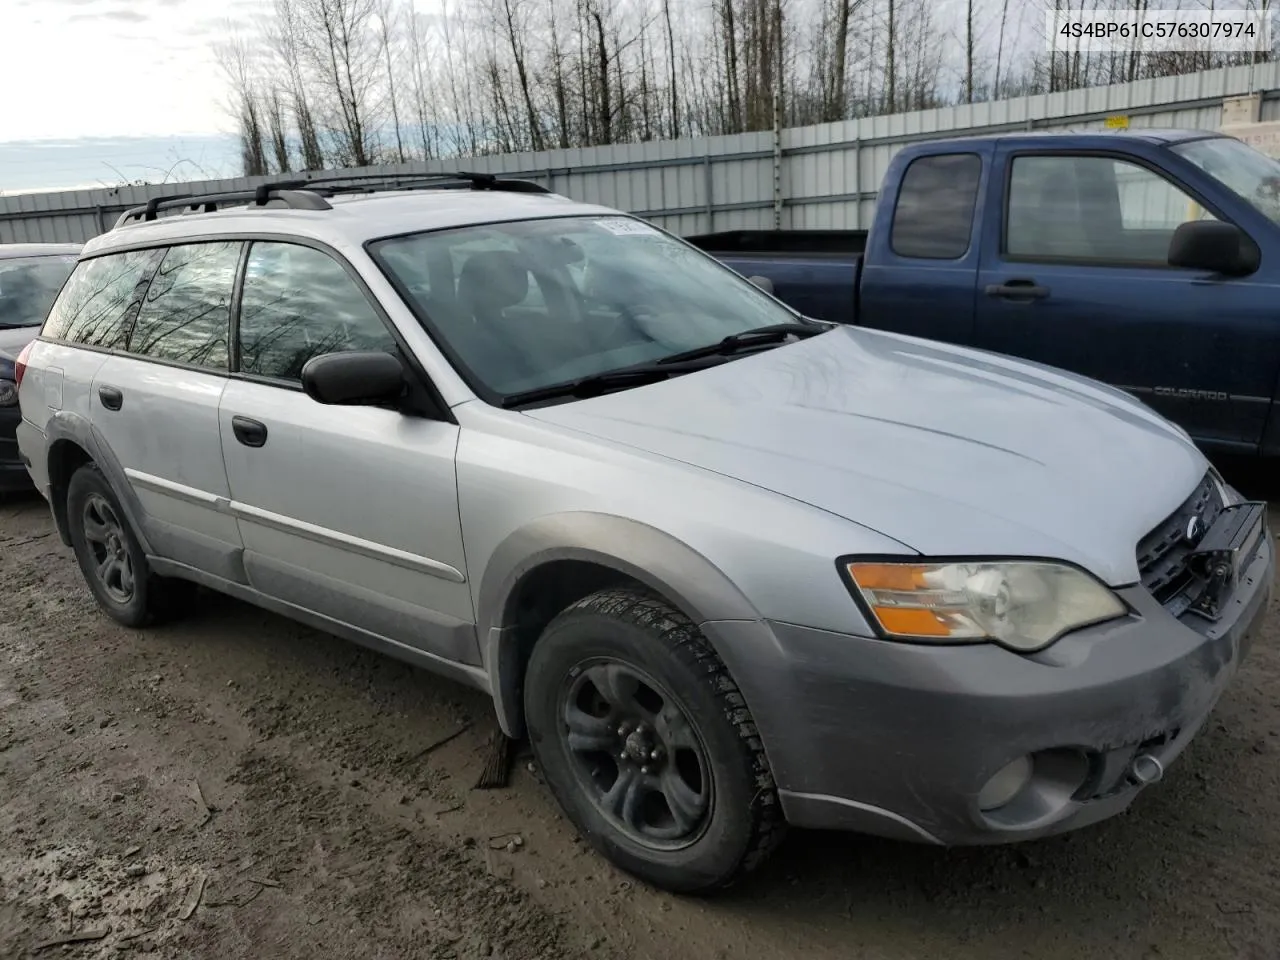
column 623, row 227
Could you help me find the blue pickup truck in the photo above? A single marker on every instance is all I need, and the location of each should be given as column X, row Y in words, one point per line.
column 1149, row 260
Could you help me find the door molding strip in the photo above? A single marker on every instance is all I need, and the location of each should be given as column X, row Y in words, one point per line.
column 309, row 531
column 334, row 538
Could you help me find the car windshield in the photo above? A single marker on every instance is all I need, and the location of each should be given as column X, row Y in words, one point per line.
column 524, row 305
column 1239, row 168
column 28, row 286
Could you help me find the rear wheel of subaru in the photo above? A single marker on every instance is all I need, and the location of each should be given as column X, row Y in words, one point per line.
column 111, row 558
column 648, row 745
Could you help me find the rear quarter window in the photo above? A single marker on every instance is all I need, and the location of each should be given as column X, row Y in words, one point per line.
column 100, row 300
column 933, row 218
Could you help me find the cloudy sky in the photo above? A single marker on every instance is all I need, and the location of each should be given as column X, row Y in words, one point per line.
column 135, row 80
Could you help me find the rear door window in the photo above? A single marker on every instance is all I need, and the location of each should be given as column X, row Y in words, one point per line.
column 186, row 315
column 100, row 300
column 933, row 218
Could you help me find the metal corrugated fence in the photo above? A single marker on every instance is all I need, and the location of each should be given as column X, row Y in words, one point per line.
column 827, row 175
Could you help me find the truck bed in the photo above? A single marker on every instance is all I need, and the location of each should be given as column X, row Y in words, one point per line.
column 813, row 271
column 783, row 243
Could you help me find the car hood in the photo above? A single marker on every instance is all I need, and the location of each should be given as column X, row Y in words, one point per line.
column 949, row 451
column 13, row 339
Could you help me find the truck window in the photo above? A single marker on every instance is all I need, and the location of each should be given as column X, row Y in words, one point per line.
column 1096, row 209
column 933, row 218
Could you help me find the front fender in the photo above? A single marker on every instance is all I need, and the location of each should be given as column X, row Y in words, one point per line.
column 686, row 578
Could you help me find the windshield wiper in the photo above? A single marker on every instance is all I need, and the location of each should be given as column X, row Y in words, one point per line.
column 596, row 384
column 760, row 336
column 677, row 363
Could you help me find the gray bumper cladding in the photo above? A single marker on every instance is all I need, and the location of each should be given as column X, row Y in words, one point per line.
column 900, row 739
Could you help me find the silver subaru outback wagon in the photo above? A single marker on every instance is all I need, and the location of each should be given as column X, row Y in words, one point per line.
column 728, row 568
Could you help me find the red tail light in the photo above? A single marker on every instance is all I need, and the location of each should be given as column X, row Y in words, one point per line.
column 20, row 365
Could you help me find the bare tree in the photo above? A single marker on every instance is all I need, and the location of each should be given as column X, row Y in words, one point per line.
column 559, row 78
column 347, row 82
column 458, row 69
column 673, row 90
column 245, row 106
column 340, row 42
column 1004, row 22
column 386, row 13
column 839, row 80
column 513, row 21
column 278, row 128
column 421, row 82
column 284, row 37
column 968, row 51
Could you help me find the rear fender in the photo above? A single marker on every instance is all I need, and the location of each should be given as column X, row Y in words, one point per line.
column 66, row 426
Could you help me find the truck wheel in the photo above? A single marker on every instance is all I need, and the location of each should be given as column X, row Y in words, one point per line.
column 111, row 558
column 647, row 744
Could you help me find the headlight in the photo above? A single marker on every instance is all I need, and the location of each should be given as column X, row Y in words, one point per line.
column 1023, row 605
column 8, row 393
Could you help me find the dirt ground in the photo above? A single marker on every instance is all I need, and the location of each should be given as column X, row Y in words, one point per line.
column 237, row 786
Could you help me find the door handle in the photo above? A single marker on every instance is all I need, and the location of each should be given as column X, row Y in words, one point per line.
column 251, row 433
column 111, row 397
column 1017, row 290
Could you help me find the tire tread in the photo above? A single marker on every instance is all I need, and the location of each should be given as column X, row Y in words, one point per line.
column 164, row 597
column 691, row 647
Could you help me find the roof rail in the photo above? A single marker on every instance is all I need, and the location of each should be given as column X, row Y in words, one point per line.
column 308, row 193
column 208, row 203
column 476, row 181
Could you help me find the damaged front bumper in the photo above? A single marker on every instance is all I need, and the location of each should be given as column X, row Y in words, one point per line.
column 899, row 739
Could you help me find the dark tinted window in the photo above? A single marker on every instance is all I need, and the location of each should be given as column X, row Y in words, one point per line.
column 98, row 304
column 1093, row 208
column 934, row 214
column 300, row 303
column 28, row 286
column 188, row 306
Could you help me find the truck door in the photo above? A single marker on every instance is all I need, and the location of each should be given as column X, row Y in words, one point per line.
column 919, row 271
column 1074, row 273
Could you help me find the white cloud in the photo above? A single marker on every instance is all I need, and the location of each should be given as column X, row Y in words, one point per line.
column 102, row 68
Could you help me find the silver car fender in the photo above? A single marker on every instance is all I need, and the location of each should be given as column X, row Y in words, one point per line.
column 670, row 567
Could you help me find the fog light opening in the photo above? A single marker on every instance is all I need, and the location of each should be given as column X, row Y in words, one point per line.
column 1007, row 783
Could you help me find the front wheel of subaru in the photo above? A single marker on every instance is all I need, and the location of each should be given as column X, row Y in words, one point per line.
column 648, row 745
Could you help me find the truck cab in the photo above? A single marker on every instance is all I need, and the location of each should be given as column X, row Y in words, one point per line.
column 1145, row 259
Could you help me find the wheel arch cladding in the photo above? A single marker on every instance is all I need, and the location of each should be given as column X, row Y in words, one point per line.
column 546, row 566
column 73, row 442
column 65, row 458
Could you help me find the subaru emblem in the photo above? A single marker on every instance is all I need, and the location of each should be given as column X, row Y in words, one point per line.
column 1192, row 533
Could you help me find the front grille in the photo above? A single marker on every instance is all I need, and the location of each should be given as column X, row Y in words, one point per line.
column 1164, row 553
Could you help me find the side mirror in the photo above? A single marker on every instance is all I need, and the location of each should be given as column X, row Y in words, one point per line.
column 357, row 378
column 1214, row 246
column 764, row 283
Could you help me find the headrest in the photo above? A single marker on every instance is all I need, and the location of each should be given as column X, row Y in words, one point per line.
column 493, row 280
